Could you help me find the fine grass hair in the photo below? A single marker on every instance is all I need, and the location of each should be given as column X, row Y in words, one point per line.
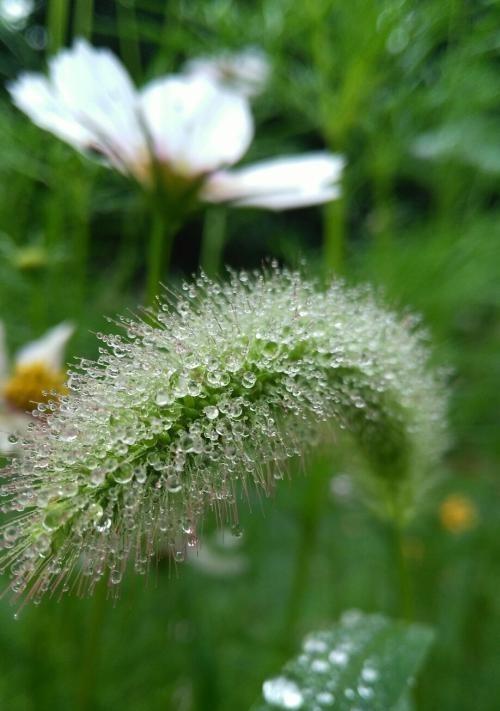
column 198, row 402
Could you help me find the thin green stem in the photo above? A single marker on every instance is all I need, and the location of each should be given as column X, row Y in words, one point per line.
column 57, row 24
column 203, row 660
column 160, row 249
column 405, row 586
column 82, row 24
column 309, row 528
column 127, row 257
column 214, row 237
column 383, row 208
column 128, row 35
column 82, row 236
column 334, row 236
column 90, row 655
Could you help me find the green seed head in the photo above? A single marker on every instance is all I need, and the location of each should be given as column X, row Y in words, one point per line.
column 201, row 402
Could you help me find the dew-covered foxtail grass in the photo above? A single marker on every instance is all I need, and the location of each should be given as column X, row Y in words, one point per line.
column 198, row 402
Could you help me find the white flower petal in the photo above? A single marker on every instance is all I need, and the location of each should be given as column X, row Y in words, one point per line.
column 196, row 125
column 283, row 183
column 288, row 201
column 96, row 88
column 34, row 94
column 88, row 101
column 49, row 349
column 246, row 71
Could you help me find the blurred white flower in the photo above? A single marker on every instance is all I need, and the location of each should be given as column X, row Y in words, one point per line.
column 219, row 556
column 15, row 13
column 342, row 487
column 36, row 370
column 179, row 131
column 246, row 71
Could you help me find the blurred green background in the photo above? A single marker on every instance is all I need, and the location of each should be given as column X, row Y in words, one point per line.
column 409, row 92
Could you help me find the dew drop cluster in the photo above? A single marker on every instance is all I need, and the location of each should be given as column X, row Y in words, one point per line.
column 195, row 403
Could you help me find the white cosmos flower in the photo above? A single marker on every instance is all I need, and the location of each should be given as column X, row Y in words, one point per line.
column 183, row 130
column 246, row 71
column 293, row 181
column 36, row 368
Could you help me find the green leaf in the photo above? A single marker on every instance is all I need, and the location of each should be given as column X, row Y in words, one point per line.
column 363, row 663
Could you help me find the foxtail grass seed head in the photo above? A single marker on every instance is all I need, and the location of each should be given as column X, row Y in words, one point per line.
column 201, row 401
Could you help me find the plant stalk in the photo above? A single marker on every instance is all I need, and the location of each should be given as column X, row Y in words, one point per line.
column 92, row 646
column 334, row 236
column 57, row 24
column 214, row 237
column 308, row 535
column 160, row 250
column 405, row 586
column 82, row 25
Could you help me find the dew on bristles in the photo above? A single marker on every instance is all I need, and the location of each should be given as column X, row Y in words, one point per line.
column 201, row 400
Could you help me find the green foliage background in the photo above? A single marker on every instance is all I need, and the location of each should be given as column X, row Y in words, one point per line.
column 410, row 93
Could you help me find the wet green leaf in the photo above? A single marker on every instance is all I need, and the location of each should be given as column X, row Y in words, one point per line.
column 365, row 662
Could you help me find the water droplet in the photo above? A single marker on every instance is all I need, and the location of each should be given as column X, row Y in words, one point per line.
column 282, row 692
column 69, row 434
column 97, row 476
column 369, row 674
column 211, row 412
column 236, row 530
column 248, row 379
column 54, row 518
column 366, row 692
column 325, row 698
column 116, row 577
column 103, row 524
column 124, row 474
column 163, row 397
column 315, row 646
column 339, row 657
column 320, row 666
column 173, row 484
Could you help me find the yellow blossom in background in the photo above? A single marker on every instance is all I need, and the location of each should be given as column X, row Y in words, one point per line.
column 458, row 513
column 36, row 375
column 32, row 383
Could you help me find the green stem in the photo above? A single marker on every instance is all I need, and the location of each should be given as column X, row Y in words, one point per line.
column 334, row 236
column 127, row 258
column 405, row 587
column 160, row 249
column 90, row 657
column 309, row 528
column 82, row 236
column 129, row 38
column 203, row 659
column 57, row 24
column 383, row 209
column 212, row 245
column 82, row 25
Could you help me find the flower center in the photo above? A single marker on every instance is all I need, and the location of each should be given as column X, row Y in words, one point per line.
column 458, row 513
column 33, row 383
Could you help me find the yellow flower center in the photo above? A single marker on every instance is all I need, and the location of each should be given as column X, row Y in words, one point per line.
column 30, row 384
column 458, row 514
